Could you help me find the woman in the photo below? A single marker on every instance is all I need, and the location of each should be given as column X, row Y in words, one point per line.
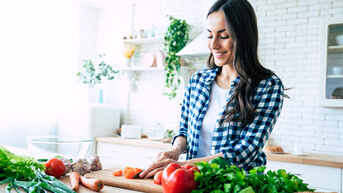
column 230, row 109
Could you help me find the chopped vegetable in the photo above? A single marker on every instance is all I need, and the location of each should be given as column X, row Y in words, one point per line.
column 55, row 167
column 95, row 164
column 176, row 179
column 81, row 166
column 21, row 167
column 67, row 165
column 129, row 172
column 74, row 181
column 93, row 184
column 118, row 173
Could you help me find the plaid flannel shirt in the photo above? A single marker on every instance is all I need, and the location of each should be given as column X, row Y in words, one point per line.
column 241, row 146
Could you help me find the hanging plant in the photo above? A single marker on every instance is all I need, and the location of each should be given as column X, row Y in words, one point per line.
column 175, row 39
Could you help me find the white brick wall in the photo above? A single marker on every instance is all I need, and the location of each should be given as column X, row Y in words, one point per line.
column 289, row 45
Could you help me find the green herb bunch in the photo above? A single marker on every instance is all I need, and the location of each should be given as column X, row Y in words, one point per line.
column 231, row 179
column 93, row 76
column 21, row 167
column 175, row 39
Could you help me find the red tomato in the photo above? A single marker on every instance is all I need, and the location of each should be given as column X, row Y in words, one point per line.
column 158, row 178
column 176, row 179
column 55, row 167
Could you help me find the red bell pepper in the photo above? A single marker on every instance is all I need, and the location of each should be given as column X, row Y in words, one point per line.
column 177, row 179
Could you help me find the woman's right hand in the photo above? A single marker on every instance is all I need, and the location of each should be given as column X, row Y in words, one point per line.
column 162, row 160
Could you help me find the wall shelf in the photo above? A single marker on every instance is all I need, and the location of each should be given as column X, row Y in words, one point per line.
column 335, row 76
column 143, row 41
column 335, row 49
column 131, row 73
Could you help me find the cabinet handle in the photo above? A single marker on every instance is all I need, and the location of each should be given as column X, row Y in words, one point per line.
column 296, row 174
column 114, row 151
column 149, row 157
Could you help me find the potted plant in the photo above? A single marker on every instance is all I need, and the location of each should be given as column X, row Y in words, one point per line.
column 92, row 76
column 175, row 39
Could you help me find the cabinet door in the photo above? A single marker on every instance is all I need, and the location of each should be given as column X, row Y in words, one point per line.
column 331, row 71
column 117, row 154
column 144, row 156
column 324, row 179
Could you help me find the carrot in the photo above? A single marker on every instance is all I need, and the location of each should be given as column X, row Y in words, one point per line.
column 74, row 180
column 93, row 184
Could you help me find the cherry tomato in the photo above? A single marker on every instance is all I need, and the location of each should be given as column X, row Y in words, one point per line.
column 55, row 167
column 158, row 178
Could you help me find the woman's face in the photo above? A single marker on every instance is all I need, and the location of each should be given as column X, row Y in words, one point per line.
column 219, row 40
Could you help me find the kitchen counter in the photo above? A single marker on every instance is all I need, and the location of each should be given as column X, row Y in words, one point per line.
column 328, row 160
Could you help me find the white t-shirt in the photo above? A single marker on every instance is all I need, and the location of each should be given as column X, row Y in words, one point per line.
column 217, row 101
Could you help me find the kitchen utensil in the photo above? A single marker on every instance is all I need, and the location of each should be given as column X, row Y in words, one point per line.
column 137, row 175
column 143, row 185
column 339, row 39
column 337, row 70
column 148, row 60
column 46, row 147
column 160, row 58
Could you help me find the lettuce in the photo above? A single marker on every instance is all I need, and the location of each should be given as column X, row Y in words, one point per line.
column 21, row 167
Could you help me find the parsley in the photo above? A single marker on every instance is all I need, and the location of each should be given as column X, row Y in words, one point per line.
column 214, row 179
column 21, row 167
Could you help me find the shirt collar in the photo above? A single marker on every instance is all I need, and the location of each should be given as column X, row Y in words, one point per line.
column 213, row 74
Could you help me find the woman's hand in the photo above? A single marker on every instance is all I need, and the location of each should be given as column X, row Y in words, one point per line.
column 162, row 160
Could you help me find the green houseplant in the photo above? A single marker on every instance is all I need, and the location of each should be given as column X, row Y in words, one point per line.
column 175, row 39
column 92, row 76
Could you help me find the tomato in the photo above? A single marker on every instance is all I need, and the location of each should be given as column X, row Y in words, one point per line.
column 158, row 178
column 118, row 173
column 177, row 179
column 55, row 167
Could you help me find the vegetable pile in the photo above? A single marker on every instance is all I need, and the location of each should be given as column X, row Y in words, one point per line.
column 21, row 167
column 217, row 178
column 25, row 172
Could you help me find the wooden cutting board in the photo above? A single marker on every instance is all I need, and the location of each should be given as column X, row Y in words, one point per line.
column 143, row 185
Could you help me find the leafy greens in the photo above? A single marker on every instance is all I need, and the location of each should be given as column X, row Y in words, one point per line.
column 213, row 179
column 21, row 167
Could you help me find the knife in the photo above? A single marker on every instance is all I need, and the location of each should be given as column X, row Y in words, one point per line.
column 137, row 175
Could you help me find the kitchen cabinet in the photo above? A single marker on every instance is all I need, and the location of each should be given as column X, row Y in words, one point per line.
column 114, row 151
column 323, row 179
column 331, row 63
column 129, row 152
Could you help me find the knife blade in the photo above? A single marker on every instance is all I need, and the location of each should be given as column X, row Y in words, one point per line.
column 137, row 175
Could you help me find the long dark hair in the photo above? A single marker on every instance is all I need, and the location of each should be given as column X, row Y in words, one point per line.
column 241, row 24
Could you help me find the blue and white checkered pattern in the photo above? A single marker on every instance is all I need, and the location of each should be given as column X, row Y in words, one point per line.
column 240, row 146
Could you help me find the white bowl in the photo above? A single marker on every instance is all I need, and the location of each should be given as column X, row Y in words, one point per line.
column 337, row 70
column 47, row 147
column 339, row 40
